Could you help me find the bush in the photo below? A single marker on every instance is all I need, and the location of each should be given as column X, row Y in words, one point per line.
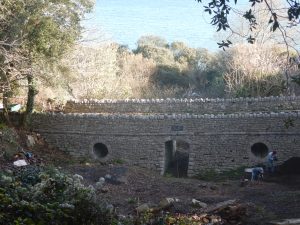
column 54, row 198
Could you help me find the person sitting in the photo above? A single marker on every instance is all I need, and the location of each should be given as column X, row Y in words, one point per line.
column 257, row 174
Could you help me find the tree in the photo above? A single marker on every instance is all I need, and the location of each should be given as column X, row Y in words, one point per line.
column 267, row 21
column 108, row 71
column 37, row 32
column 279, row 18
column 152, row 40
column 260, row 75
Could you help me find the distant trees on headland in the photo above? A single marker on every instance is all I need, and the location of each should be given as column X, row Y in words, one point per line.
column 40, row 56
column 158, row 69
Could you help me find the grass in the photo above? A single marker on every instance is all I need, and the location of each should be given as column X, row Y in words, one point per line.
column 213, row 175
column 2, row 126
column 131, row 200
column 168, row 175
column 118, row 161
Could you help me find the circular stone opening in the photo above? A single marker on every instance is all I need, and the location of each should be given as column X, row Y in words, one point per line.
column 100, row 150
column 259, row 150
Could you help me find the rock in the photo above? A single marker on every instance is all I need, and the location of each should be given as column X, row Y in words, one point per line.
column 30, row 141
column 213, row 188
column 20, row 163
column 167, row 202
column 110, row 208
column 205, row 220
column 225, row 203
column 122, row 179
column 198, row 203
column 143, row 208
column 115, row 180
column 99, row 185
column 78, row 177
column 102, row 180
column 107, row 177
column 221, row 205
column 215, row 219
column 285, row 222
column 203, row 185
column 104, row 190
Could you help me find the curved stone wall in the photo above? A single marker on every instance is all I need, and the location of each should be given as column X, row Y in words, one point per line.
column 216, row 141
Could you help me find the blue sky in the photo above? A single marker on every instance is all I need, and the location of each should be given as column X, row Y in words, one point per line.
column 175, row 20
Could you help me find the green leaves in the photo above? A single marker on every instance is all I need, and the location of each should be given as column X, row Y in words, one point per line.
column 220, row 10
column 251, row 18
column 275, row 25
column 43, row 29
column 251, row 39
column 255, row 1
column 56, row 199
column 224, row 44
column 294, row 10
column 37, row 32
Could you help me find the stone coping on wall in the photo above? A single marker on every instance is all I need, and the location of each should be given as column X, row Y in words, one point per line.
column 174, row 116
column 186, row 100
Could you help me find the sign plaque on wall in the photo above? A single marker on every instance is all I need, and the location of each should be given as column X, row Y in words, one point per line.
column 176, row 128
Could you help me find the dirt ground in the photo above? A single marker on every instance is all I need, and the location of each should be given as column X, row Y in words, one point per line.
column 126, row 187
column 277, row 197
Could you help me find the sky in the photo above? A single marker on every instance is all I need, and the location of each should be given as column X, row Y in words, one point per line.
column 125, row 22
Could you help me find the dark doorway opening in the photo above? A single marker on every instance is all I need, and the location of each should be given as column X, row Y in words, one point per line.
column 259, row 150
column 100, row 150
column 177, row 158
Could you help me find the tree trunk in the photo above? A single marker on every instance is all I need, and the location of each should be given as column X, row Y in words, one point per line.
column 6, row 95
column 30, row 95
column 30, row 98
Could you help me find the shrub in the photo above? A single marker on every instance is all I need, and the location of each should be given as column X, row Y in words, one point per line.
column 54, row 198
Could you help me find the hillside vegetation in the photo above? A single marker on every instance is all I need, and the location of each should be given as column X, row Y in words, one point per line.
column 157, row 69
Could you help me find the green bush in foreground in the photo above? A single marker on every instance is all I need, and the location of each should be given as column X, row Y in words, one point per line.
column 54, row 198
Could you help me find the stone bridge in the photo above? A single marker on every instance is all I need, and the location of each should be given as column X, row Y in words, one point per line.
column 187, row 135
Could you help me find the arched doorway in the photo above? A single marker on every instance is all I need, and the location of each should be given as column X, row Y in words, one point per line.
column 176, row 158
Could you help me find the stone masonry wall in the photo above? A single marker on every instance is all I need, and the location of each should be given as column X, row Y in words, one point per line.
column 219, row 142
column 198, row 106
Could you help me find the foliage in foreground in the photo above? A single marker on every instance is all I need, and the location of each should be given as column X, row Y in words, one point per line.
column 48, row 197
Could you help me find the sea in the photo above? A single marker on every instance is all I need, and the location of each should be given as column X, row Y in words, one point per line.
column 125, row 21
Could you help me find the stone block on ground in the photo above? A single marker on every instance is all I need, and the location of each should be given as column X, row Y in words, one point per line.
column 143, row 208
column 30, row 141
column 197, row 203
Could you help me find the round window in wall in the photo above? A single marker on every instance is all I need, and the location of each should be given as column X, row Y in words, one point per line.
column 259, row 150
column 100, row 150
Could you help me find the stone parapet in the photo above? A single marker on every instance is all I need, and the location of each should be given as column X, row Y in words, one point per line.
column 197, row 106
column 174, row 116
